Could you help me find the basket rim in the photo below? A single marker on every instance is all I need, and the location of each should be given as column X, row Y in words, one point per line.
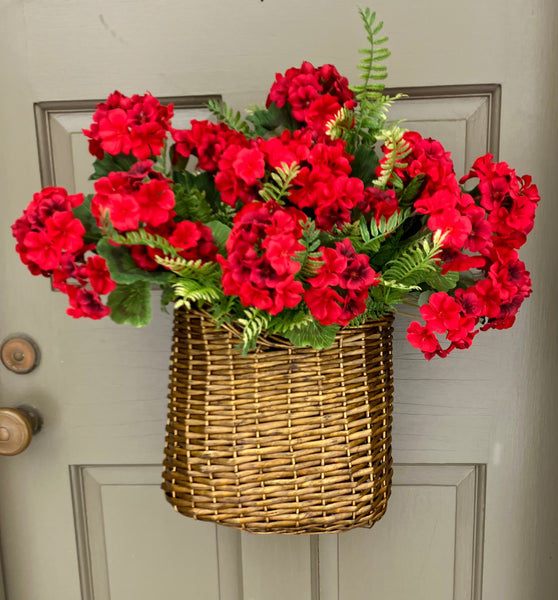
column 277, row 341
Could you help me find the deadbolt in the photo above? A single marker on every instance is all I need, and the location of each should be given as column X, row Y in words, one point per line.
column 19, row 354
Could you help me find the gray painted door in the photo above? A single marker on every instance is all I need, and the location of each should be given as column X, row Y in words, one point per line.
column 473, row 505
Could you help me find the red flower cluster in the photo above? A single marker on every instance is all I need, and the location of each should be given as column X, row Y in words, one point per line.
column 130, row 197
column 236, row 160
column 501, row 213
column 379, row 203
column 339, row 291
column 143, row 198
column 314, row 95
column 193, row 240
column 261, row 264
column 323, row 188
column 50, row 242
column 136, row 125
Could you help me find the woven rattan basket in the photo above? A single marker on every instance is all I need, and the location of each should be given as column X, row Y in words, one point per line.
column 285, row 439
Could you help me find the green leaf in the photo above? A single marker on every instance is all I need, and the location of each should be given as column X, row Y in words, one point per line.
column 228, row 116
column 442, row 283
column 411, row 191
column 83, row 213
column 364, row 164
column 131, row 304
column 190, row 204
column 221, row 233
column 313, row 334
column 271, row 118
column 122, row 267
column 119, row 162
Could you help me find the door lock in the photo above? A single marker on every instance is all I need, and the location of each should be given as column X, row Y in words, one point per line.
column 19, row 354
column 17, row 427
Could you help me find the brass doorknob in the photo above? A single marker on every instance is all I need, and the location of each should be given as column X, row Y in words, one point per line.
column 17, row 427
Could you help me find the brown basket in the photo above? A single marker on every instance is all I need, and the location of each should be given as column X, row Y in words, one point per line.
column 285, row 439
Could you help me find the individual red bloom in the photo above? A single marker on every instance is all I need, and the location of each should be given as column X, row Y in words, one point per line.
column 65, row 231
column 249, row 165
column 99, row 275
column 471, row 303
column 207, row 141
column 147, row 140
column 263, row 275
column 124, row 212
column 320, row 111
column 329, row 160
column 185, row 235
column 280, row 250
column 328, row 273
column 286, row 149
column 455, row 227
column 380, row 203
column 423, row 338
column 114, row 134
column 480, row 238
column 329, row 211
column 358, row 274
column 227, row 184
column 324, row 304
column 86, row 303
column 441, row 313
column 288, row 294
column 454, row 260
column 156, row 200
column 303, row 91
column 354, row 304
column 489, row 296
column 437, row 204
column 42, row 250
column 142, row 259
column 463, row 333
column 251, row 295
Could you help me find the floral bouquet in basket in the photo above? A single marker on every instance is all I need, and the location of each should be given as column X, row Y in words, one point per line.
column 310, row 214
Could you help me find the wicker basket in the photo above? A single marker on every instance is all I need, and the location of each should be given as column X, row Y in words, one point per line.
column 284, row 440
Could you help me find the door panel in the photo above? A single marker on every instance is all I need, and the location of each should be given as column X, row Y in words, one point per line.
column 488, row 413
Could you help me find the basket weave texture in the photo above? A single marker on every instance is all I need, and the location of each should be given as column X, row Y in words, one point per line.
column 285, row 439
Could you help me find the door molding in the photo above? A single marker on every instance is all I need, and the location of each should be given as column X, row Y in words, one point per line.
column 319, row 556
column 57, row 121
column 491, row 92
column 469, row 483
column 46, row 114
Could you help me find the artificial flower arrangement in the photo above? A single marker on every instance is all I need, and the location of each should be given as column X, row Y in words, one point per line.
column 311, row 214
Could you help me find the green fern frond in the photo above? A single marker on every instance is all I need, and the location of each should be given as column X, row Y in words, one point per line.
column 287, row 320
column 341, row 123
column 190, row 203
column 228, row 116
column 227, row 309
column 414, row 264
column 281, row 181
column 142, row 238
column 253, row 324
column 397, row 150
column 309, row 258
column 189, row 268
column 371, row 114
column 190, row 291
column 371, row 73
column 374, row 310
column 385, row 227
